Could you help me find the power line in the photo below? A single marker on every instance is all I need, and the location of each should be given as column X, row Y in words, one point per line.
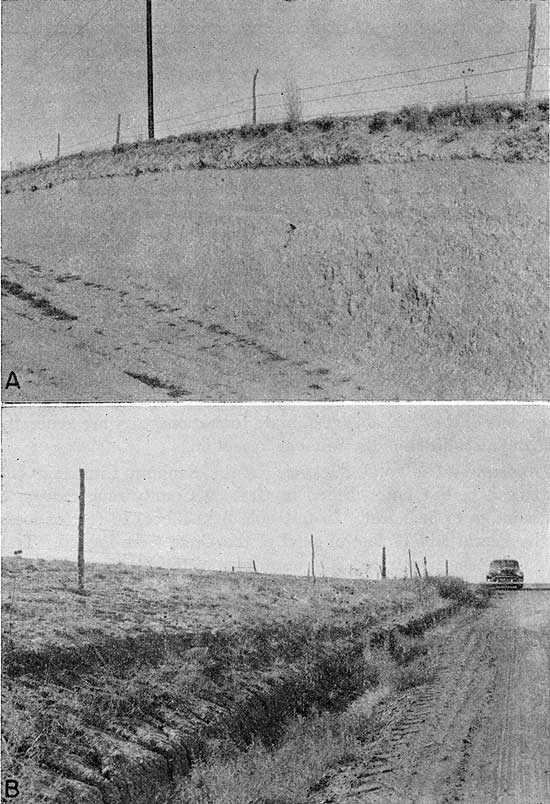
column 82, row 27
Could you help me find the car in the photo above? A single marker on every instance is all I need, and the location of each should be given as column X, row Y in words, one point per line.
column 504, row 573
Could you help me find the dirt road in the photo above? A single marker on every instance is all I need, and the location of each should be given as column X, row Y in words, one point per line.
column 480, row 731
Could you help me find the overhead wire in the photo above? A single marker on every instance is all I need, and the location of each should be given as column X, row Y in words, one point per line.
column 351, row 94
column 355, row 80
column 84, row 25
column 395, row 86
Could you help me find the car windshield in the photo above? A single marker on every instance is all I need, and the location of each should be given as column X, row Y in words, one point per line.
column 504, row 564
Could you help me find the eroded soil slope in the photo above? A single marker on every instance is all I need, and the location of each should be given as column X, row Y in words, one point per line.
column 420, row 280
column 109, row 698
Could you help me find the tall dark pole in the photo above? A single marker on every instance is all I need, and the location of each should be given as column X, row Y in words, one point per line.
column 81, row 534
column 383, row 562
column 150, row 108
column 531, row 52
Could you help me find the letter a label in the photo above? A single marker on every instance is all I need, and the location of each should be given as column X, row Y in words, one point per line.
column 12, row 382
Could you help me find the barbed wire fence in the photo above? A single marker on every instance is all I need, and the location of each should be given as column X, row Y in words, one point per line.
column 226, row 117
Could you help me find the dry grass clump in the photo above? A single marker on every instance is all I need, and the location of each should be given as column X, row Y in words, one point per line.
column 467, row 594
column 289, row 771
column 420, row 671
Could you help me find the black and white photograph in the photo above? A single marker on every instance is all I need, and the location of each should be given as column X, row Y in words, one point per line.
column 226, row 200
column 298, row 604
column 275, row 372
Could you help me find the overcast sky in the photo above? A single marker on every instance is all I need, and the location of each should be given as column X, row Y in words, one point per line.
column 70, row 66
column 215, row 486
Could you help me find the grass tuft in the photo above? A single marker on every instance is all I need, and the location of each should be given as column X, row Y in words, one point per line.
column 464, row 593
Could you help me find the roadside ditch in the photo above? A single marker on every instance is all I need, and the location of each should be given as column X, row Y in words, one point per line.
column 129, row 721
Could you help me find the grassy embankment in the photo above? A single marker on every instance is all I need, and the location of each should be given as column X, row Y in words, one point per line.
column 498, row 130
column 112, row 695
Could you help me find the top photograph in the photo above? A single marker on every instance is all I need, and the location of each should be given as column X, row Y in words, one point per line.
column 306, row 200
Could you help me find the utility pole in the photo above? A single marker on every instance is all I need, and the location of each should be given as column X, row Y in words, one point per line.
column 312, row 559
column 81, row 535
column 410, row 566
column 531, row 53
column 383, row 562
column 254, row 97
column 150, row 108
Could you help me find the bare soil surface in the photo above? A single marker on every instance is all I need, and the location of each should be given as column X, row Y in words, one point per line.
column 480, row 731
column 410, row 281
column 124, row 345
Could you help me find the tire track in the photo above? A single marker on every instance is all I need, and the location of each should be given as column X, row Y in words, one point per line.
column 479, row 732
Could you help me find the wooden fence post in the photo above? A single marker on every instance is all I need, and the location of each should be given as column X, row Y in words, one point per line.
column 81, row 502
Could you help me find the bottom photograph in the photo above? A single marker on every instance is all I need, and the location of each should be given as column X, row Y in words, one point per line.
column 276, row 604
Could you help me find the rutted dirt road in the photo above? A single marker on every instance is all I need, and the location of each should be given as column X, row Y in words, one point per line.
column 479, row 733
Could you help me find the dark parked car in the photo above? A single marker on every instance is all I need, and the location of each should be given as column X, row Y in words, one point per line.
column 505, row 573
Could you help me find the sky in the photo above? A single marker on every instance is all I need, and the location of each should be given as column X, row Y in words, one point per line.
column 214, row 486
column 71, row 66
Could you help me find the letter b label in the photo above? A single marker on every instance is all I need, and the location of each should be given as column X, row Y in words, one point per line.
column 11, row 788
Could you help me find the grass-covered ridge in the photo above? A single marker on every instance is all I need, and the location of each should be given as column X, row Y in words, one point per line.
column 501, row 131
